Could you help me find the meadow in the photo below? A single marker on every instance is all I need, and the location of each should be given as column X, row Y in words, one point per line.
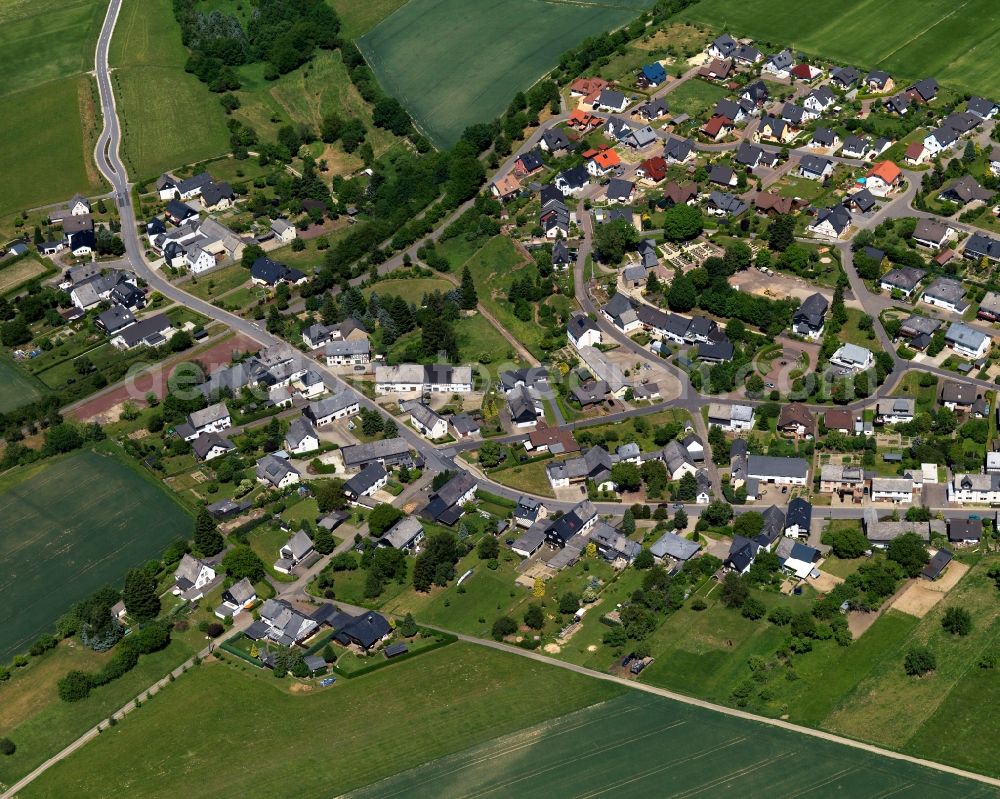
column 455, row 697
column 16, row 388
column 959, row 44
column 70, row 527
column 169, row 117
column 451, row 68
column 641, row 745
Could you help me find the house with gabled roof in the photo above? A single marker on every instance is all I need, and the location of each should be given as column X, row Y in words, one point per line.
column 773, row 129
column 779, row 65
column 276, row 472
column 293, row 551
column 815, row 167
column 611, row 100
column 678, row 151
column 191, row 577
column 879, row 82
column 370, row 480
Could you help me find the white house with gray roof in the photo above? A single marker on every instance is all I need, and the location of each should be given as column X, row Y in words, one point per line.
column 339, row 406
column 301, row 437
column 732, row 418
column 348, row 352
column 276, row 472
column 778, row 471
column 213, row 419
column 294, row 551
column 967, row 341
column 425, row 420
column 404, row 534
column 852, row 357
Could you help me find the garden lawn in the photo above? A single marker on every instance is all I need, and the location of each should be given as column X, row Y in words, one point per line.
column 215, row 284
column 179, row 122
column 72, row 526
column 959, row 44
column 530, row 477
column 455, row 697
column 478, row 340
column 409, row 289
column 16, row 388
column 451, row 69
column 695, row 98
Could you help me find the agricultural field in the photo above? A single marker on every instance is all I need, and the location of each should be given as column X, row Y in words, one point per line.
column 452, row 69
column 51, row 130
column 15, row 272
column 457, row 696
column 70, row 527
column 357, row 18
column 180, row 122
column 16, row 388
column 649, row 746
column 959, row 44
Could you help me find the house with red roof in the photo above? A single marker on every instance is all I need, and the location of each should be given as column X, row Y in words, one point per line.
column 883, row 178
column 588, row 88
column 718, row 127
column 652, row 170
column 602, row 162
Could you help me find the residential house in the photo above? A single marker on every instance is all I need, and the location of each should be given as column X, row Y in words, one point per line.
column 404, row 535
column 463, row 425
column 899, row 105
column 967, row 341
column 879, row 82
column 652, row 170
column 427, row 422
column 212, row 419
column 654, row 109
column 947, row 293
column 839, row 421
column 240, row 596
column 387, row 451
column 722, row 175
column 805, row 72
column 430, row 378
column 808, row 318
column 892, row 489
column 853, row 358
column 856, row 147
column 282, row 624
column 773, row 129
column 716, row 69
column 559, row 532
column 582, row 331
column 348, row 353
column 301, row 437
column 964, row 191
column 611, row 100
column 554, row 141
column 210, row 446
column 847, row 482
column 179, row 212
column 747, row 54
column 276, row 472
column 678, row 151
column 779, row 65
column 528, row 163
column 677, row 460
column 717, row 128
column 940, row 139
column 895, row 410
column 981, row 107
column 218, row 197
column 732, row 418
column 794, row 419
column 506, row 188
column 824, row 138
column 621, row 313
column 978, row 489
column 191, row 577
column 339, row 406
column 595, row 464
column 751, row 156
column 845, row 78
column 903, row 279
column 680, row 194
column 266, row 272
column 619, row 190
column 153, row 331
column 588, row 88
column 989, row 306
column 723, row 47
column 723, row 204
column 965, row 532
column 366, row 483
column 572, row 181
column 447, row 504
column 831, row 223
column 814, row 167
column 882, row 178
column 798, row 519
column 293, row 552
column 776, row 470
column 957, row 396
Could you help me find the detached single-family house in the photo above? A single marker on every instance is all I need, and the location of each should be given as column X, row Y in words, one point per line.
column 883, row 178
column 732, row 418
column 964, row 191
column 238, row 597
column 339, row 406
column 779, row 65
column 293, row 551
column 426, row 421
column 554, row 141
column 903, row 279
column 947, row 293
column 845, row 78
column 824, row 138
column 367, row 482
column 808, row 318
column 276, row 472
column 582, row 331
column 933, row 234
column 191, row 577
column 611, row 100
column 879, row 82
column 572, row 181
column 210, row 446
column 831, row 223
column 819, row 100
column 981, row 107
column 678, row 151
column 301, row 437
column 796, row 420
column 404, row 535
column 895, row 410
column 967, row 341
column 856, row 147
column 958, row 396
column 774, row 129
column 892, row 489
column 814, row 167
column 213, row 419
column 852, row 357
column 723, row 204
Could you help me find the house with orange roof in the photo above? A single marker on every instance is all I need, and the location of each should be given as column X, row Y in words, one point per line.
column 582, row 121
column 718, row 127
column 588, row 88
column 883, row 178
column 506, row 187
column 603, row 162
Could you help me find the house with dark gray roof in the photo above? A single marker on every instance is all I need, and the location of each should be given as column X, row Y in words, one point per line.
column 367, row 482
column 447, row 504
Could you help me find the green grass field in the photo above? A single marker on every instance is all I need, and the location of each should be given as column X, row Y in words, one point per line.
column 169, row 117
column 456, row 697
column 409, row 289
column 16, row 388
column 956, row 43
column 359, row 18
column 46, row 102
column 452, row 68
column 639, row 745
column 71, row 527
column 695, row 98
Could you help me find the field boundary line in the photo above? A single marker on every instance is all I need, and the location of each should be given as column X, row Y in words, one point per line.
column 923, row 32
column 734, row 712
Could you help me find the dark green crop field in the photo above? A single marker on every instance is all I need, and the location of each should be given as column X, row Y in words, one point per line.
column 69, row 528
column 452, row 63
